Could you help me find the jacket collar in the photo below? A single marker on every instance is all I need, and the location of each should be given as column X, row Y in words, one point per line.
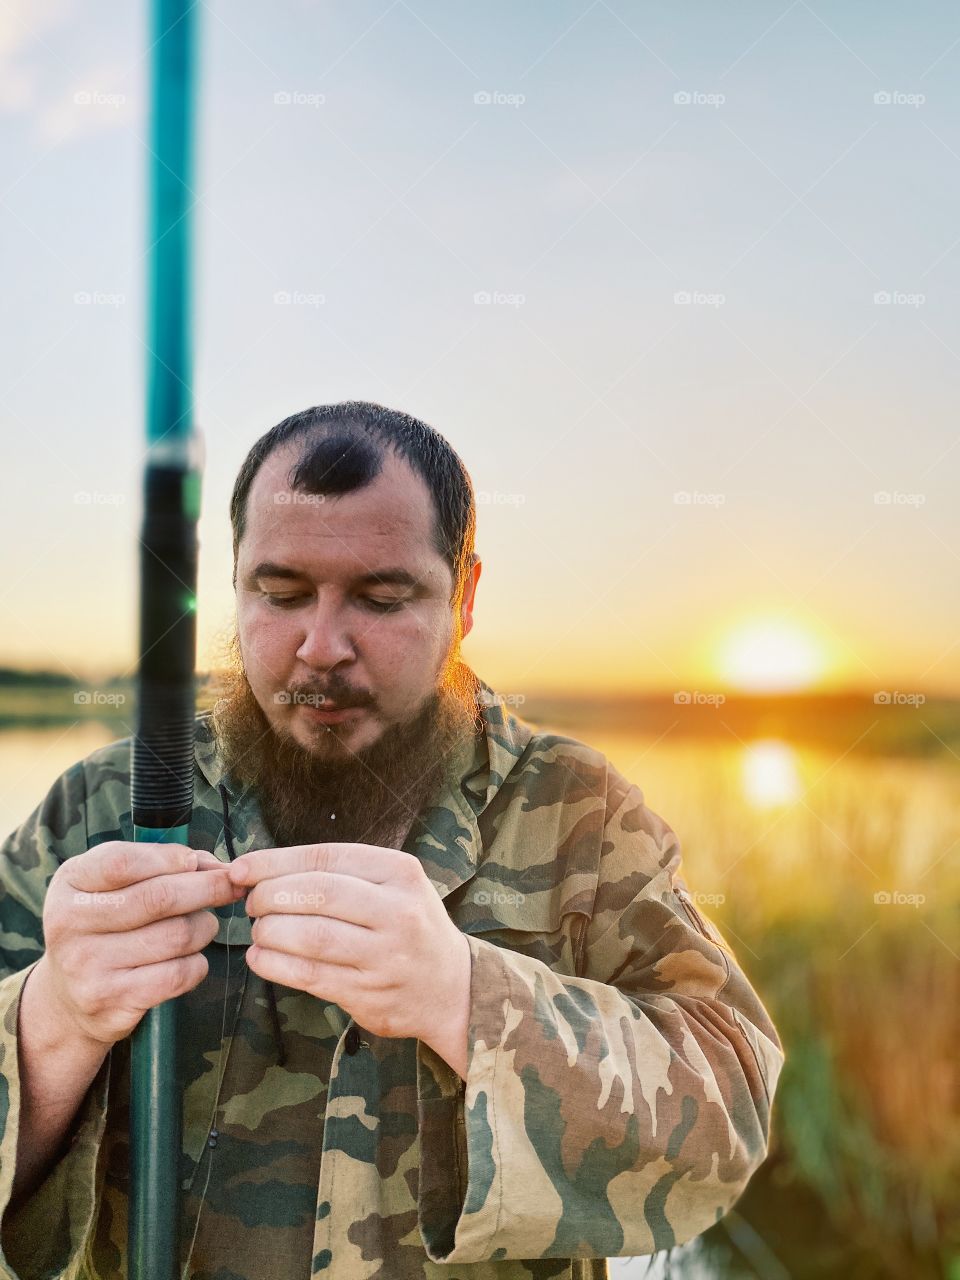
column 447, row 841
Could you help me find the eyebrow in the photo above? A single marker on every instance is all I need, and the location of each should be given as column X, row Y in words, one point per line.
column 379, row 577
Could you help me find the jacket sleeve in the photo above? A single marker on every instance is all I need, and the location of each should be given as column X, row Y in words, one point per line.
column 46, row 1232
column 610, row 1114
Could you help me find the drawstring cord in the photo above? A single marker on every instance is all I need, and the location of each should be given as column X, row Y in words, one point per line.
column 271, row 994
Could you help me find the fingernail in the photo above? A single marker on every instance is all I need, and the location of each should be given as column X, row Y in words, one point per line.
column 190, row 860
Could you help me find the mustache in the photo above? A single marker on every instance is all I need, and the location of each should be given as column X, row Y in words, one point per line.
column 339, row 695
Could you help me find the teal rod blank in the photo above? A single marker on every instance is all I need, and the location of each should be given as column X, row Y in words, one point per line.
column 162, row 766
column 169, row 328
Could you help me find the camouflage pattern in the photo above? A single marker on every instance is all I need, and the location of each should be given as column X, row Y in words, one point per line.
column 620, row 1071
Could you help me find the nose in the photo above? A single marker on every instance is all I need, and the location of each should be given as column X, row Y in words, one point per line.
column 326, row 641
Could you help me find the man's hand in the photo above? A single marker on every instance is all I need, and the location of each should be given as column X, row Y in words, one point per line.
column 363, row 927
column 124, row 925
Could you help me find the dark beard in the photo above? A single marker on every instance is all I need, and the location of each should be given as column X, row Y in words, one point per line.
column 371, row 796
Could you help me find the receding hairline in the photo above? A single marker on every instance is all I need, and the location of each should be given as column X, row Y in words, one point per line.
column 427, row 455
column 269, row 564
column 287, row 456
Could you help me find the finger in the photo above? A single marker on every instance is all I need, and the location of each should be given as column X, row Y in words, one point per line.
column 152, row 984
column 325, row 981
column 315, row 938
column 156, row 899
column 208, row 859
column 162, row 940
column 363, row 861
column 121, row 863
column 323, row 893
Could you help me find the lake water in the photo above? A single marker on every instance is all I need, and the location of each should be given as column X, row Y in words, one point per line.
column 32, row 759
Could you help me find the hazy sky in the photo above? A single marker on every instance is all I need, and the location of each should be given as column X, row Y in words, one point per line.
column 355, row 198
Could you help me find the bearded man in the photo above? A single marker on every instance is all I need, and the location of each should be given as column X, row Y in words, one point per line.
column 444, row 995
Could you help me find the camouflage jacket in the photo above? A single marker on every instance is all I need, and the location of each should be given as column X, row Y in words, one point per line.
column 620, row 1072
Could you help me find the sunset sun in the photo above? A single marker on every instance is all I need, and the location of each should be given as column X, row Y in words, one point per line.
column 772, row 656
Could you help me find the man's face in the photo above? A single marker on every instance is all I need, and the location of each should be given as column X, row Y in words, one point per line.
column 323, row 618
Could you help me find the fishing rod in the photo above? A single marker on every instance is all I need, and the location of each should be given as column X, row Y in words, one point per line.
column 162, row 755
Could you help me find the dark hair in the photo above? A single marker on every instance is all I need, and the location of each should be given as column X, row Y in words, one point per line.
column 344, row 450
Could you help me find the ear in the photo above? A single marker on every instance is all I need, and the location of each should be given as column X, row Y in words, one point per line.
column 469, row 591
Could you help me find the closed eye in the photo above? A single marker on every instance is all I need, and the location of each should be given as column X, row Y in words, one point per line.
column 283, row 602
column 290, row 602
column 383, row 606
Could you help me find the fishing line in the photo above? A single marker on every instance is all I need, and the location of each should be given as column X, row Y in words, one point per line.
column 222, row 1062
